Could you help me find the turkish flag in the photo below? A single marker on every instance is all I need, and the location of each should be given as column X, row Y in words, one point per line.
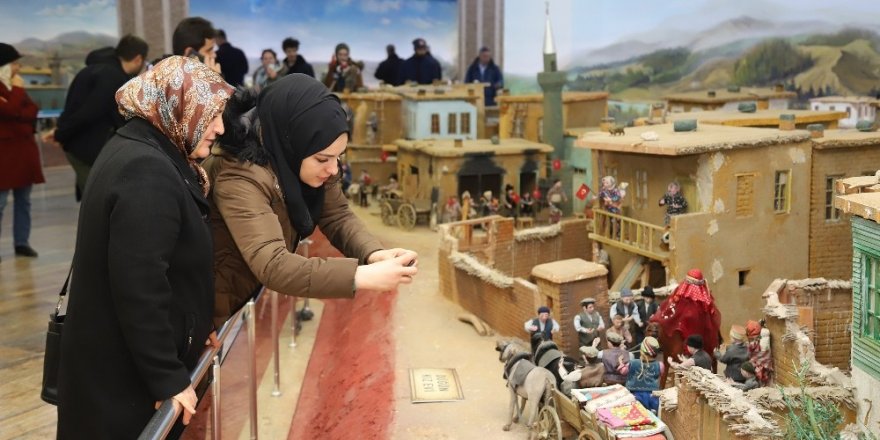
column 384, row 156
column 515, row 198
column 557, row 164
column 536, row 194
column 582, row 191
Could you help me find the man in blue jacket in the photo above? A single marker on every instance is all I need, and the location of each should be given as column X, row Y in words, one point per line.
column 484, row 70
column 421, row 67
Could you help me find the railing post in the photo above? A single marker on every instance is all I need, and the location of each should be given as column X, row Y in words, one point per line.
column 276, row 391
column 252, row 364
column 292, row 323
column 215, row 400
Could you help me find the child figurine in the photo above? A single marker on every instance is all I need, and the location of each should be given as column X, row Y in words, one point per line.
column 747, row 371
column 759, row 351
column 673, row 201
column 526, row 203
column 452, row 210
column 611, row 197
column 643, row 374
column 698, row 356
column 735, row 354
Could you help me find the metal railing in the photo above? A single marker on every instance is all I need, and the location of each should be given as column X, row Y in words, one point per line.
column 632, row 235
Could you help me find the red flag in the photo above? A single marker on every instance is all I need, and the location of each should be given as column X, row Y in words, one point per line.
column 557, row 164
column 536, row 194
column 515, row 198
column 384, row 156
column 582, row 191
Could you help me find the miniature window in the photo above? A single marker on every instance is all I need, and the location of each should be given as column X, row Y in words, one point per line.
column 848, row 111
column 414, row 171
column 831, row 108
column 831, row 213
column 745, row 194
column 435, row 123
column 465, row 123
column 871, row 299
column 781, row 191
column 744, row 277
column 452, row 126
column 641, row 189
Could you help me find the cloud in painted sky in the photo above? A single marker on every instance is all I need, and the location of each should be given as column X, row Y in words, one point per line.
column 88, row 8
column 385, row 21
column 419, row 23
column 380, row 6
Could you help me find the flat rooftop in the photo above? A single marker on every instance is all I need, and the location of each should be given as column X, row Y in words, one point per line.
column 847, row 138
column 723, row 95
column 847, row 99
column 760, row 118
column 447, row 148
column 440, row 92
column 370, row 96
column 859, row 196
column 567, row 97
column 707, row 138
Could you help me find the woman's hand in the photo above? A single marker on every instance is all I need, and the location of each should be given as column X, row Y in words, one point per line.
column 387, row 274
column 387, row 254
column 186, row 399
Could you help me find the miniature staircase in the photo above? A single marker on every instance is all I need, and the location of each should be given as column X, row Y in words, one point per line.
column 631, row 272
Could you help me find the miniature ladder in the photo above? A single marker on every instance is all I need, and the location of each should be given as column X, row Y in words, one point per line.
column 631, row 272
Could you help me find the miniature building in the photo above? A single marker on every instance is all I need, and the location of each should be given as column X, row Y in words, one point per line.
column 377, row 117
column 444, row 167
column 422, row 102
column 857, row 108
column 764, row 98
column 860, row 197
column 489, row 273
column 522, row 116
column 743, row 185
column 577, row 169
column 763, row 118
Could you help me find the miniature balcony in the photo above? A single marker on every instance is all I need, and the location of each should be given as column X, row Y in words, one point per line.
column 631, row 235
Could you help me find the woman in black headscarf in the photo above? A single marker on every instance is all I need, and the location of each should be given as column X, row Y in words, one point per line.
column 275, row 178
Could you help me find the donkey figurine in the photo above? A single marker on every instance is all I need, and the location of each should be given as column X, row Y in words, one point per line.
column 524, row 380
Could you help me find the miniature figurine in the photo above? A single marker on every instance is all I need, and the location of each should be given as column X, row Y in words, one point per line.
column 543, row 325
column 643, row 374
column 511, row 201
column 466, row 205
column 526, row 204
column 346, row 177
column 611, row 358
column 646, row 307
column 372, row 128
column 588, row 323
column 674, row 201
column 587, row 376
column 556, row 195
column 364, row 181
column 759, row 351
column 698, row 357
column 747, row 371
column 734, row 355
column 485, row 204
column 452, row 210
column 628, row 311
column 494, row 206
column 391, row 186
column 611, row 196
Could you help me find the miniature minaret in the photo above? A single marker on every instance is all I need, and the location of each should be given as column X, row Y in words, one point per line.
column 551, row 82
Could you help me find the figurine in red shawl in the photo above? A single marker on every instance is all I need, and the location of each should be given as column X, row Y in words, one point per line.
column 690, row 310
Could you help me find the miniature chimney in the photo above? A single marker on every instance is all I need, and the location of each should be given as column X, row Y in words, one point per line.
column 605, row 124
column 816, row 130
column 786, row 122
column 733, row 89
column 458, row 143
column 711, row 93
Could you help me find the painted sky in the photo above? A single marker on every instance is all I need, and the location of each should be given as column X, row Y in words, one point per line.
column 366, row 25
column 583, row 25
column 45, row 19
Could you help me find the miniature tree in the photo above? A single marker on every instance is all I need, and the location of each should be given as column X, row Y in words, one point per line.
column 808, row 418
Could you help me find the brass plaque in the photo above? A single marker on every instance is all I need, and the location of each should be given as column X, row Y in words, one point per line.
column 434, row 385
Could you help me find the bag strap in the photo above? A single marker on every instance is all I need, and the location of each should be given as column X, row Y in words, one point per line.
column 63, row 292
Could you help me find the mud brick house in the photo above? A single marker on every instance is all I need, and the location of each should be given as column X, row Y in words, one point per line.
column 857, row 108
column 860, row 197
column 439, row 168
column 436, row 111
column 522, row 116
column 775, row 98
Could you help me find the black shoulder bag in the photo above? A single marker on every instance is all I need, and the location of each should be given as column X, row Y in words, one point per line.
column 52, row 359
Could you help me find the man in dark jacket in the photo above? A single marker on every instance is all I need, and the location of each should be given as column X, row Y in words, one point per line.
column 421, row 67
column 90, row 115
column 233, row 62
column 389, row 70
column 484, row 70
column 295, row 63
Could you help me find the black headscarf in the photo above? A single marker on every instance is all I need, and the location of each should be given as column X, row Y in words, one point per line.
column 298, row 118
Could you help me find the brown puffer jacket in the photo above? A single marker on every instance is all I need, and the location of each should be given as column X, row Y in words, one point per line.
column 254, row 241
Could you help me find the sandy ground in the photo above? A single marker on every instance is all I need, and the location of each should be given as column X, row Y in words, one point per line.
column 427, row 334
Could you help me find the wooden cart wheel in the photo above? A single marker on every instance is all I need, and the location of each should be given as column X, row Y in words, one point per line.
column 387, row 214
column 548, row 427
column 589, row 435
column 406, row 216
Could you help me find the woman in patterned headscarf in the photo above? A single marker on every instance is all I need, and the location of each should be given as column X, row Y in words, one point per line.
column 142, row 291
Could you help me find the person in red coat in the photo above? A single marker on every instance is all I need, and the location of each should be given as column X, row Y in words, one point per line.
column 20, row 166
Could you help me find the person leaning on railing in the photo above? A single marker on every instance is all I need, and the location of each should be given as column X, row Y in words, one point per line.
column 276, row 178
column 142, row 288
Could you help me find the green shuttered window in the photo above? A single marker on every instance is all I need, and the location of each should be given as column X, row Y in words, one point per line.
column 866, row 296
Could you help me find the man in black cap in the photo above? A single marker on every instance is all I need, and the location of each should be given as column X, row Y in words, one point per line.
column 646, row 307
column 542, row 324
column 421, row 67
column 698, row 356
column 91, row 115
column 588, row 323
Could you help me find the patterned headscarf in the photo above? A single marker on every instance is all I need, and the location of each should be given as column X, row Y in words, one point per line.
column 179, row 96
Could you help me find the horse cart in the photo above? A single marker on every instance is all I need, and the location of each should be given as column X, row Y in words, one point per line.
column 396, row 210
column 582, row 418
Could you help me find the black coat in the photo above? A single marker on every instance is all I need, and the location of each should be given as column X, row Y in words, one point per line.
column 491, row 75
column 423, row 70
column 389, row 70
column 233, row 64
column 142, row 291
column 299, row 66
column 91, row 115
